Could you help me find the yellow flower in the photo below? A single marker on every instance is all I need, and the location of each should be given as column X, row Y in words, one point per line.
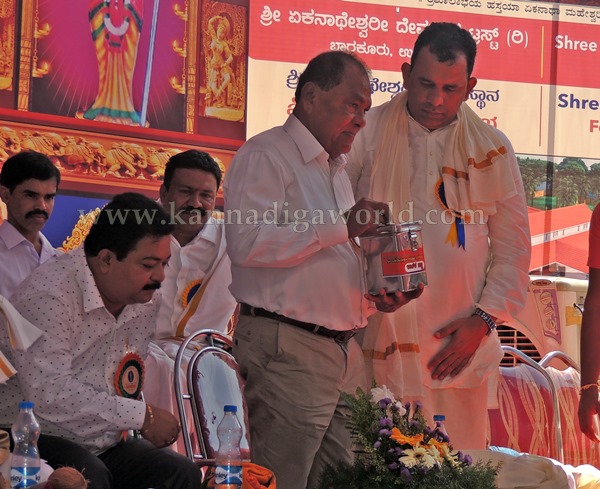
column 402, row 439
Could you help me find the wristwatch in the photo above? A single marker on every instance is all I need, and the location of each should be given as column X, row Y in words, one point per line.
column 489, row 320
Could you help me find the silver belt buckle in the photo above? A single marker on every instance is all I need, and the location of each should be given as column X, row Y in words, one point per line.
column 343, row 337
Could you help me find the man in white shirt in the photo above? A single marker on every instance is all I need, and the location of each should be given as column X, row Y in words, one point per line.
column 96, row 310
column 427, row 153
column 195, row 292
column 291, row 223
column 28, row 185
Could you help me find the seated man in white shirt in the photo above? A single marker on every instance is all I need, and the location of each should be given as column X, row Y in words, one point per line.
column 84, row 374
column 28, row 185
column 195, row 292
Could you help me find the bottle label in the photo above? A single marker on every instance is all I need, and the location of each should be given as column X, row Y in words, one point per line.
column 228, row 474
column 21, row 477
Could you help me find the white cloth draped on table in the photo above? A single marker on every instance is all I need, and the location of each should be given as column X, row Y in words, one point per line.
column 527, row 471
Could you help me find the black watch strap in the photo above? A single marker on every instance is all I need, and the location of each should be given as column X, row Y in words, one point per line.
column 491, row 324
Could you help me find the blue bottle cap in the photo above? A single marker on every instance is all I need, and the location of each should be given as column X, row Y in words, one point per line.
column 230, row 409
column 439, row 417
column 26, row 405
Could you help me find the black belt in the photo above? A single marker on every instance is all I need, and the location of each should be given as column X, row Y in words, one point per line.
column 338, row 336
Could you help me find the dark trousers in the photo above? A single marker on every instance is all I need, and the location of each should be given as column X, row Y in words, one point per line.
column 134, row 464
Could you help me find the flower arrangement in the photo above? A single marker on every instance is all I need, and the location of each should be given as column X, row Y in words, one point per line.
column 397, row 449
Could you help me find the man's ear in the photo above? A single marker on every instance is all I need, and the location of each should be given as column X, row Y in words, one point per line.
column 406, row 68
column 162, row 194
column 106, row 259
column 308, row 98
column 4, row 194
column 471, row 82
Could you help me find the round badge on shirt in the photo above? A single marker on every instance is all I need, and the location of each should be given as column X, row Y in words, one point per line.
column 129, row 378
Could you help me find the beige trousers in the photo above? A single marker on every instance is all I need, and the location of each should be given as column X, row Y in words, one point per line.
column 298, row 422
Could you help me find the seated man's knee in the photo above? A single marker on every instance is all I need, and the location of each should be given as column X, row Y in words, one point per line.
column 185, row 473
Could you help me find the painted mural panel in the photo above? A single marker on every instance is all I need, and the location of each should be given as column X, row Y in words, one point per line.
column 110, row 89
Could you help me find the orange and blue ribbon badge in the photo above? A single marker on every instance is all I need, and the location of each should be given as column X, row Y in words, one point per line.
column 456, row 234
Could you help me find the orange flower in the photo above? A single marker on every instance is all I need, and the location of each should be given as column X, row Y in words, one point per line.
column 402, row 439
column 442, row 446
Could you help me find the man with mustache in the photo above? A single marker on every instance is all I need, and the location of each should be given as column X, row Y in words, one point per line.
column 96, row 310
column 195, row 291
column 28, row 185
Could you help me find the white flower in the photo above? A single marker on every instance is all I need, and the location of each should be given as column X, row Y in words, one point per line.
column 379, row 393
column 418, row 456
column 401, row 409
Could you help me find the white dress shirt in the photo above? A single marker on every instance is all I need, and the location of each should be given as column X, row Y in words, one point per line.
column 491, row 272
column 69, row 373
column 18, row 257
column 286, row 238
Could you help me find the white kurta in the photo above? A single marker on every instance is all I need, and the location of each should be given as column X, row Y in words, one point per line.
column 204, row 256
column 491, row 272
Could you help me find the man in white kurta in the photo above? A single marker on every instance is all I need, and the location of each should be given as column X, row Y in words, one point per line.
column 195, row 292
column 431, row 157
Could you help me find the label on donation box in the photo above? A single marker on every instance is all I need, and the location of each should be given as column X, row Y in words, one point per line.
column 393, row 258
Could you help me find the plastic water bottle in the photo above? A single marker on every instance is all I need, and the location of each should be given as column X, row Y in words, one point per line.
column 440, row 422
column 25, row 467
column 228, row 470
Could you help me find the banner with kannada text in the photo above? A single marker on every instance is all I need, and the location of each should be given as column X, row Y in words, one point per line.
column 537, row 62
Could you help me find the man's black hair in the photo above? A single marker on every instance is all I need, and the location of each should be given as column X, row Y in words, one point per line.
column 194, row 159
column 123, row 222
column 326, row 70
column 446, row 41
column 25, row 166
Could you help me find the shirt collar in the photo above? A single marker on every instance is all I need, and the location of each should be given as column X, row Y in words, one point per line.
column 309, row 147
column 209, row 232
column 10, row 235
column 91, row 295
column 12, row 238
